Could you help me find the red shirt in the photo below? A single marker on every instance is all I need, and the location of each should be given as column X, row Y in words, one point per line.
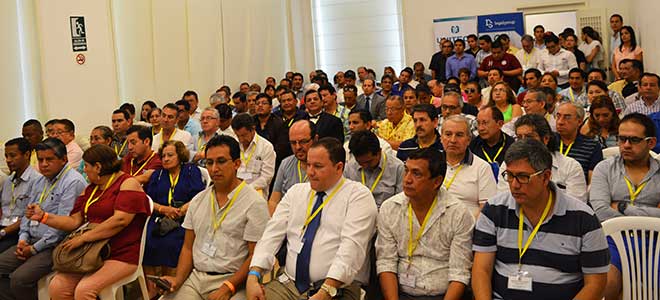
column 137, row 168
column 125, row 245
column 508, row 62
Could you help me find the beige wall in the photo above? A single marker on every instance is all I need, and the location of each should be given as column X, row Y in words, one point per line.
column 644, row 19
column 418, row 17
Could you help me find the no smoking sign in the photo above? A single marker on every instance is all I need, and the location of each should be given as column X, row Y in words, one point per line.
column 80, row 59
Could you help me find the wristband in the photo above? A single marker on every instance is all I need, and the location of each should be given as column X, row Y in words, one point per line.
column 44, row 219
column 255, row 273
column 230, row 285
column 33, row 250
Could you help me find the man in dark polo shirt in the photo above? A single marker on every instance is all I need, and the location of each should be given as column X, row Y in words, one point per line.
column 425, row 117
column 506, row 62
column 535, row 241
column 571, row 143
column 491, row 143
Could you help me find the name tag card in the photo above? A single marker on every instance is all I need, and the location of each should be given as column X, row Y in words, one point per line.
column 521, row 281
column 208, row 249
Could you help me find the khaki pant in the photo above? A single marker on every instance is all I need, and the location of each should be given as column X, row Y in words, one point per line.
column 285, row 289
column 200, row 285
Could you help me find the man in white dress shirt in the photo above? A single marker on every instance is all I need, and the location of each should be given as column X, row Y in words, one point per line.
column 557, row 61
column 257, row 154
column 170, row 116
column 328, row 223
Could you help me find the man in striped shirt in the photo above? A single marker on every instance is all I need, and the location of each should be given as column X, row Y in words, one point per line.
column 535, row 241
column 586, row 151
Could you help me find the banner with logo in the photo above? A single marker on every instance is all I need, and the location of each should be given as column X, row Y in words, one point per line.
column 493, row 25
column 453, row 29
column 510, row 23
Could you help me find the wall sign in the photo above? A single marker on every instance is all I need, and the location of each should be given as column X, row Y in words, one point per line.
column 78, row 33
column 80, row 58
column 493, row 25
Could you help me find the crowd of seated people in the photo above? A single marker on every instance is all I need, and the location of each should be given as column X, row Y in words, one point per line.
column 484, row 179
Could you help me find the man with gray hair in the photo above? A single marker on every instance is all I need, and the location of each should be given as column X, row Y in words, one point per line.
column 571, row 143
column 535, row 103
column 452, row 104
column 469, row 178
column 529, row 57
column 534, row 215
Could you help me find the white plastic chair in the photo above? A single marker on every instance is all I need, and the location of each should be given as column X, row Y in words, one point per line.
column 42, row 286
column 110, row 293
column 611, row 151
column 206, row 177
column 633, row 232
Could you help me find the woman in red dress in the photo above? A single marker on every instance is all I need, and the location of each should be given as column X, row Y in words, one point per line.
column 113, row 200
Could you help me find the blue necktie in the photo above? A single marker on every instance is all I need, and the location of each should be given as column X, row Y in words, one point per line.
column 302, row 264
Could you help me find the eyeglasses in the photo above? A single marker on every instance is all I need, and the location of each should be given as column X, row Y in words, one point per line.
column 393, row 108
column 470, row 91
column 300, row 142
column 449, row 107
column 633, row 140
column 521, row 178
column 207, row 118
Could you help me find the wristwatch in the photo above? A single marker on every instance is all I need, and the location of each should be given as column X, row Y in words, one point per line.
column 331, row 290
column 3, row 233
column 621, row 206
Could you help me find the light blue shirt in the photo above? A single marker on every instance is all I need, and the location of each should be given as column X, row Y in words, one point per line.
column 455, row 64
column 193, row 127
column 59, row 201
column 14, row 200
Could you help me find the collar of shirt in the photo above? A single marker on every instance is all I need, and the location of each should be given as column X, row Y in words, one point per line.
column 444, row 201
column 59, row 174
column 316, row 116
column 252, row 143
column 329, row 190
column 436, row 143
column 559, row 209
column 497, row 145
column 26, row 176
column 380, row 165
column 654, row 167
column 468, row 159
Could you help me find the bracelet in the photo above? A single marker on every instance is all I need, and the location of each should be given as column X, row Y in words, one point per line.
column 33, row 250
column 44, row 219
column 230, row 285
column 255, row 273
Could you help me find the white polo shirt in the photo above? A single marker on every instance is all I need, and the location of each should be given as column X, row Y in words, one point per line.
column 178, row 135
column 257, row 164
column 474, row 183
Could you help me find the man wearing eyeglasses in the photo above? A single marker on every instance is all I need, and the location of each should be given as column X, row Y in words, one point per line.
column 271, row 128
column 627, row 184
column 586, row 151
column 491, row 143
column 439, row 60
column 535, row 103
column 452, row 104
column 473, row 93
column 293, row 169
column 65, row 131
column 398, row 126
column 522, row 248
column 185, row 122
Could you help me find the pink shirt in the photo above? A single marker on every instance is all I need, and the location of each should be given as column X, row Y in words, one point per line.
column 626, row 53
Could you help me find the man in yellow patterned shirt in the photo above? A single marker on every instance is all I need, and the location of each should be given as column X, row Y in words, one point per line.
column 398, row 126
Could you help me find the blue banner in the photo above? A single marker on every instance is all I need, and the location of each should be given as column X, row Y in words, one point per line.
column 501, row 23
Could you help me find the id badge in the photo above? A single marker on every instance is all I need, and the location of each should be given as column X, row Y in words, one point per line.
column 296, row 246
column 521, row 281
column 209, row 249
column 496, row 170
column 244, row 174
column 407, row 279
column 254, row 166
column 34, row 223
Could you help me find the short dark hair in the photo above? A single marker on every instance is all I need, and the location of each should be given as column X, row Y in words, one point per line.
column 350, row 74
column 540, row 126
column 105, row 156
column 264, row 95
column 143, row 132
column 459, row 41
column 550, row 37
column 534, row 71
column 578, row 70
column 495, row 113
column 224, row 111
column 307, row 93
column 499, row 71
column 531, row 150
column 327, row 87
column 106, row 132
column 641, row 119
column 224, row 140
column 334, row 147
column 33, row 122
column 130, row 108
column 123, row 112
column 173, row 107
column 68, row 124
column 190, row 93
column 597, row 70
column 599, row 84
column 242, row 120
column 363, row 142
column 539, row 26
column 54, row 144
column 22, row 144
column 647, row 74
column 387, row 76
column 617, row 16
column 408, row 70
column 239, row 95
column 436, row 159
column 349, row 88
column 471, row 36
column 51, row 122
column 298, row 74
column 184, row 103
column 427, row 108
column 486, row 38
column 364, row 114
column 496, row 45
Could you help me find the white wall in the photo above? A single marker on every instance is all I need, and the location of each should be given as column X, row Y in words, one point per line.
column 418, row 17
column 644, row 15
column 139, row 50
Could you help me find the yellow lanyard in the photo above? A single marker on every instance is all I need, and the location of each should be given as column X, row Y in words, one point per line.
column 217, row 223
column 173, row 183
column 412, row 243
column 521, row 250
column 118, row 152
column 448, row 184
column 380, row 174
column 300, row 177
column 155, row 133
column 310, row 216
column 635, row 193
column 91, row 201
column 200, row 146
column 568, row 149
column 162, row 137
column 12, row 204
column 43, row 193
column 526, row 57
column 570, row 91
column 142, row 166
column 496, row 154
column 247, row 160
